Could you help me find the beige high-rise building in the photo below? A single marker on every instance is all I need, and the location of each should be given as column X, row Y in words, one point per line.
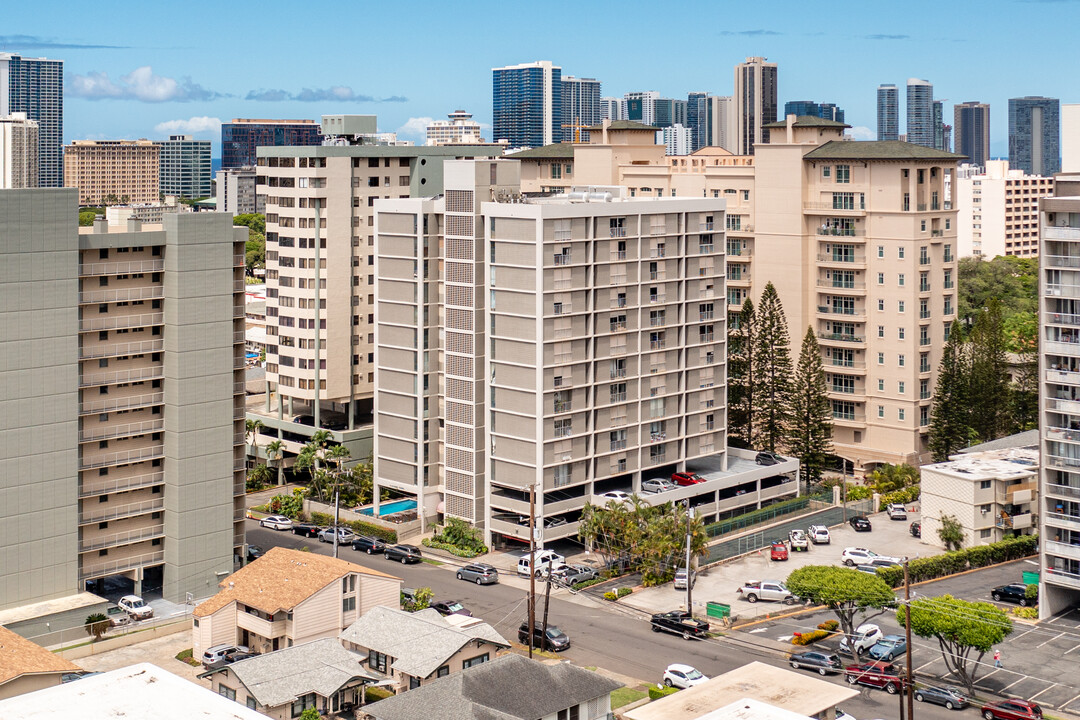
column 124, row 171
column 754, row 104
column 459, row 129
column 18, row 152
column 121, row 415
column 998, row 210
column 859, row 239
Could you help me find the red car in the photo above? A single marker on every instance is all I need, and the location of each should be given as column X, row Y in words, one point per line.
column 687, row 478
column 875, row 674
column 778, row 551
column 1012, row 710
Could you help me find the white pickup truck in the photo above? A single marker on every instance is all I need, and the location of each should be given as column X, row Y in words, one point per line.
column 767, row 590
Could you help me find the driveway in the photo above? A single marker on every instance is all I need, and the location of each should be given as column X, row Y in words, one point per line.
column 160, row 651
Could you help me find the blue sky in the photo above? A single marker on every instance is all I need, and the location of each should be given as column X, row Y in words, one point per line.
column 149, row 69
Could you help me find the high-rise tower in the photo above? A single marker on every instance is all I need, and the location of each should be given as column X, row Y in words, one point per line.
column 755, row 103
column 35, row 86
column 527, row 104
column 1035, row 135
column 888, row 112
column 920, row 112
column 971, row 128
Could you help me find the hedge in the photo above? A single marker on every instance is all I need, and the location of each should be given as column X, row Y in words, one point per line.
column 810, row 637
column 624, row 591
column 588, row 583
column 611, row 596
column 901, row 497
column 950, row 563
column 452, row 549
column 657, row 692
column 830, row 625
column 357, row 526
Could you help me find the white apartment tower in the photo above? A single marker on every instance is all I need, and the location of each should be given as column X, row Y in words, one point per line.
column 18, row 152
column 998, row 210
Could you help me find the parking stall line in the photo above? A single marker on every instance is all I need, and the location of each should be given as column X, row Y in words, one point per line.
column 1020, row 679
column 1065, row 705
column 1025, row 633
column 920, row 668
column 1047, row 641
column 1041, row 692
column 1071, row 649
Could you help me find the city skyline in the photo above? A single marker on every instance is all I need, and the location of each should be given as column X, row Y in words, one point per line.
column 117, row 87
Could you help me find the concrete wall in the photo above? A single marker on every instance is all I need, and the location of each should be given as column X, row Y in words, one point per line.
column 28, row 683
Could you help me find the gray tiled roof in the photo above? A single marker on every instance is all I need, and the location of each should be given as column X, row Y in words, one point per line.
column 1028, row 438
column 510, row 687
column 320, row 666
column 878, row 150
column 419, row 642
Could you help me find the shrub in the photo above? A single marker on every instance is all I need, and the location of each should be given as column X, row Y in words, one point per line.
column 956, row 561
column 659, row 691
column 1031, row 593
column 452, row 549
column 858, row 492
column 624, row 591
column 376, row 693
column 357, row 526
column 829, row 625
column 184, row 656
column 610, row 595
column 903, row 497
column 1029, row 613
column 458, row 538
column 589, row 583
column 808, row 638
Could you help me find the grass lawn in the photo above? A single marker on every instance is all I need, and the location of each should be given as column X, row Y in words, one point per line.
column 626, row 695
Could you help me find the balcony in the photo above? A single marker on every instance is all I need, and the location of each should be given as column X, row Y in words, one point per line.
column 1061, row 577
column 1060, row 433
column 107, row 432
column 1061, row 520
column 116, row 349
column 618, row 254
column 657, row 344
column 106, row 486
column 238, row 260
column 705, row 248
column 1014, row 522
column 837, row 231
column 1061, row 233
column 833, row 258
column 1060, row 261
column 1063, row 550
column 844, row 364
column 858, row 314
column 1067, row 463
column 1067, row 491
column 617, row 232
column 96, row 297
column 705, row 227
column 937, row 233
column 856, row 418
column 828, row 207
column 107, row 513
column 841, row 337
column 658, row 321
column 1068, row 406
column 658, row 459
column 121, row 321
column 1062, row 318
column 618, row 397
column 113, row 567
column 833, row 284
column 122, row 268
column 1059, row 347
column 1052, row 290
column 261, row 627
column 561, row 407
column 126, row 457
column 122, row 376
column 107, row 405
column 100, row 542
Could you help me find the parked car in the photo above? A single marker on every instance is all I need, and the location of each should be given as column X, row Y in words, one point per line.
column 875, row 674
column 853, row 556
column 767, row 457
column 1012, row 710
column 683, row 676
column 236, row 657
column 542, row 571
column 878, row 562
column 136, row 607
column 450, row 607
column 866, row 636
column 568, row 575
column 686, row 478
column 254, row 552
column 369, row 544
column 555, row 639
column 345, row 536
column 117, row 616
column 306, row 529
column 798, row 541
column 216, row 653
column 276, row 522
column 897, row 511
column 778, row 550
column 889, row 647
column 860, row 523
column 617, row 495
column 479, row 573
column 767, row 590
column 952, row 698
column 680, row 578
column 404, row 554
column 543, row 557
column 657, row 485
column 823, row 662
column 819, row 535
column 915, row 529
column 1014, row 593
column 679, row 622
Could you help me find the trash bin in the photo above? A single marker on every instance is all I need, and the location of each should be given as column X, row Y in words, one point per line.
column 717, row 610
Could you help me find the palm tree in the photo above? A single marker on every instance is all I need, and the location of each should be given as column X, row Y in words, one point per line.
column 312, row 456
column 252, row 428
column 276, row 451
column 97, row 624
column 258, row 476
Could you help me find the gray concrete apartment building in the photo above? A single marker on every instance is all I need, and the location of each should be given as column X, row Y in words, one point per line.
column 121, row 404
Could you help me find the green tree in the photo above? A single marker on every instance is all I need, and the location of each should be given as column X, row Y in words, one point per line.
column 275, row 451
column 961, row 628
column 259, row 477
column 741, row 375
column 97, row 624
column 421, row 598
column 255, row 248
column 772, row 371
column 1022, row 339
column 252, row 428
column 310, row 713
column 110, row 199
column 890, row 478
column 951, row 532
column 86, row 218
column 950, row 429
column 810, row 434
column 1013, row 281
column 845, row 591
column 312, row 457
column 988, row 394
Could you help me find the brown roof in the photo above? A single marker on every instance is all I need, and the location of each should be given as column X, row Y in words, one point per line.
column 19, row 656
column 878, row 150
column 623, row 125
column 280, row 580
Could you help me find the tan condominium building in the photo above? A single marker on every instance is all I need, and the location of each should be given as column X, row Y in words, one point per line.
column 859, row 239
column 320, row 280
column 998, row 210
column 121, row 414
column 112, row 171
column 567, row 346
column 18, row 152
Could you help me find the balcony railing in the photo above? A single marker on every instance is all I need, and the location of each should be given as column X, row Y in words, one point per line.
column 115, row 349
column 121, row 321
column 563, row 406
column 834, row 284
column 106, row 432
column 121, row 511
column 122, row 376
column 124, row 538
column 618, row 254
column 1056, row 290
column 91, row 297
column 617, row 232
column 705, row 248
column 937, row 233
column 1060, row 433
column 835, row 231
column 1063, row 462
column 1062, row 490
column 113, row 567
column 846, row 259
column 123, row 458
column 657, row 344
column 618, row 397
column 841, row 337
column 706, row 226
column 1061, row 233
column 657, row 321
column 1062, row 577
column 107, row 486
column 658, row 459
column 122, row 268
column 618, row 445
column 1062, row 318
column 107, row 405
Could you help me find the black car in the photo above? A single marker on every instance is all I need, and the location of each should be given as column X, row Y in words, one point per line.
column 254, row 552
column 234, row 657
column 824, row 663
column 307, row 529
column 368, row 544
column 767, row 457
column 555, row 639
column 952, row 698
column 860, row 523
column 678, row 622
column 916, row 529
column 404, row 554
column 1014, row 593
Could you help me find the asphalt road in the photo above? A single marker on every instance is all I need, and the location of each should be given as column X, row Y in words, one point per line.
column 602, row 634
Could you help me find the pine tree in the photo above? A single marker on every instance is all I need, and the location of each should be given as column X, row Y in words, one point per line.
column 770, row 359
column 989, row 396
column 741, row 375
column 810, row 436
column 950, row 428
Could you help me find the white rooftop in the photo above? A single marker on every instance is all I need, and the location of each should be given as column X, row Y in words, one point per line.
column 750, row 709
column 1002, row 464
column 141, row 691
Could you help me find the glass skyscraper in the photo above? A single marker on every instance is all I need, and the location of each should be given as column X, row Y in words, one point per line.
column 527, row 108
column 971, row 128
column 827, row 111
column 920, row 113
column 888, row 112
column 240, row 138
column 35, row 86
column 580, row 106
column 1035, row 135
column 185, row 167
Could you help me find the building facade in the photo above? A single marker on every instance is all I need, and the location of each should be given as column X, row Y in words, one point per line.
column 754, row 99
column 828, row 111
column 611, row 108
column 111, row 171
column 1035, row 135
column 920, row 113
column 185, row 167
column 527, row 104
column 18, row 152
column 459, row 129
column 888, row 112
column 971, row 127
column 236, row 192
column 677, row 139
column 711, row 121
column 123, row 437
column 240, row 137
column 1070, row 137
column 35, row 86
column 580, row 106
column 998, row 210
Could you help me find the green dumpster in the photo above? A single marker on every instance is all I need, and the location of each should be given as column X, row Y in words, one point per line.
column 717, row 610
column 1031, row 578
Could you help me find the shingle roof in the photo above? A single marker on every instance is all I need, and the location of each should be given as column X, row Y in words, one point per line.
column 320, row 666
column 809, row 121
column 878, row 150
column 19, row 656
column 623, row 125
column 510, row 687
column 419, row 642
column 1028, row 438
column 555, row 151
column 280, row 580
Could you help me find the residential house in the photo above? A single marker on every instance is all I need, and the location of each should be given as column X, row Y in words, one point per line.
column 288, row 597
column 26, row 666
column 510, row 687
column 415, row 648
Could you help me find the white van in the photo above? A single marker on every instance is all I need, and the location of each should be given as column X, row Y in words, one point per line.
column 543, row 557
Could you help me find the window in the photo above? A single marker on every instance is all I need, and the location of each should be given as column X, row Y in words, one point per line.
column 984, row 533
column 881, row 251
column 922, row 226
column 899, row 306
column 900, row 414
column 900, row 279
column 881, row 358
column 826, row 171
column 443, row 671
column 348, row 604
column 985, row 484
column 881, row 385
column 226, row 692
column 843, row 173
column 900, row 252
column 881, row 278
column 378, row 661
column 900, row 386
column 900, row 333
column 562, row 475
column 881, row 411
column 466, row 664
column 900, row 360
column 881, row 305
column 881, row 331
column 251, row 703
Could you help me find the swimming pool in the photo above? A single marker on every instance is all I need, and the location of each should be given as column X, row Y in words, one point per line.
column 251, row 355
column 389, row 508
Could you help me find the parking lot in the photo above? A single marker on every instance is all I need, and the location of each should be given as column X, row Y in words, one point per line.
column 720, row 583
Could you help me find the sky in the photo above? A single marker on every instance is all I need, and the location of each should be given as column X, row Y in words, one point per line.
column 136, row 70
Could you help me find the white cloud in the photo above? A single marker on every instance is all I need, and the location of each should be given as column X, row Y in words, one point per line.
column 140, row 84
column 415, row 127
column 191, row 126
column 860, row 132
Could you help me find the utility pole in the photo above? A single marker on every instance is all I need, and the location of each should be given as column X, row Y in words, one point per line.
column 843, row 485
column 907, row 634
column 532, row 567
column 547, row 600
column 337, row 518
column 689, row 572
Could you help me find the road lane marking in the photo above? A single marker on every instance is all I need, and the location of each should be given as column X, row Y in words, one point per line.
column 1046, row 641
column 1041, row 692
